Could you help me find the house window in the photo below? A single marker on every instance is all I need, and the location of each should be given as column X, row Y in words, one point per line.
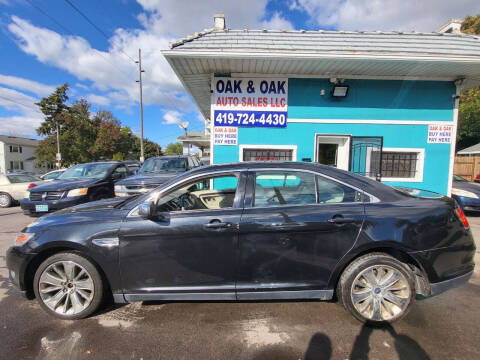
column 267, row 154
column 401, row 164
column 15, row 149
column 16, row 165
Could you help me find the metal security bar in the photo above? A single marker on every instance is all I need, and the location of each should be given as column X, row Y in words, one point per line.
column 399, row 164
column 266, row 155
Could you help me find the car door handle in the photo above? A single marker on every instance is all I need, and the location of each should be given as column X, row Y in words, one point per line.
column 341, row 220
column 218, row 225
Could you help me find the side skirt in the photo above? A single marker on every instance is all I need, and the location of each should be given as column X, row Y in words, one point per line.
column 227, row 296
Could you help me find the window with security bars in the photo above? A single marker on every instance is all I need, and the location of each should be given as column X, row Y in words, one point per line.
column 399, row 164
column 267, row 154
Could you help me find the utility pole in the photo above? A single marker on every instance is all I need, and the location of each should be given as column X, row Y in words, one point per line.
column 140, row 70
column 58, row 156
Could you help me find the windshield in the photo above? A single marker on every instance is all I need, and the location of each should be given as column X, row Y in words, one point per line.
column 52, row 175
column 86, row 171
column 157, row 165
column 459, row 178
column 14, row 179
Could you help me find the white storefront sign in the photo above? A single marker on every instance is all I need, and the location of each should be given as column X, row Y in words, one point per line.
column 440, row 134
column 225, row 135
column 250, row 102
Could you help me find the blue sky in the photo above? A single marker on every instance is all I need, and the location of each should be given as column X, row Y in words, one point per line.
column 48, row 43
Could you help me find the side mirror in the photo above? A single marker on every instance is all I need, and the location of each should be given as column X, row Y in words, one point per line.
column 146, row 210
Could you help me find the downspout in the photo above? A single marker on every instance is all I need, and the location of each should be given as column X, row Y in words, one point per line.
column 458, row 90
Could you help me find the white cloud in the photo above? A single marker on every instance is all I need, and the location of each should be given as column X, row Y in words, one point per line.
column 27, row 85
column 172, row 117
column 28, row 118
column 404, row 15
column 97, row 99
column 277, row 22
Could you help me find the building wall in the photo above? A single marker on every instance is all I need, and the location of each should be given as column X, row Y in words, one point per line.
column 375, row 100
column 27, row 152
column 2, row 158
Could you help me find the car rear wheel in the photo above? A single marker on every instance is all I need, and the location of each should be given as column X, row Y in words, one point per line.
column 376, row 288
column 68, row 286
column 5, row 200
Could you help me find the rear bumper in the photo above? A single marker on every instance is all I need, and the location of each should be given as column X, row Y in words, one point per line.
column 28, row 206
column 438, row 288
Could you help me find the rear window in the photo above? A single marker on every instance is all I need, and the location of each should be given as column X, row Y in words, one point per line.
column 15, row 179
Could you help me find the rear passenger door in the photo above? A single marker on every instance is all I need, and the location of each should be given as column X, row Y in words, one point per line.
column 295, row 227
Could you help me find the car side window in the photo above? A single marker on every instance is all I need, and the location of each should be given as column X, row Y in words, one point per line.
column 332, row 192
column 122, row 170
column 191, row 164
column 278, row 188
column 209, row 193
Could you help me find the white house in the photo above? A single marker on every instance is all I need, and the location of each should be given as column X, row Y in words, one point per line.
column 18, row 153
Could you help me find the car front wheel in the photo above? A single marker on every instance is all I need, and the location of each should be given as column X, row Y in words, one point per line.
column 376, row 288
column 68, row 286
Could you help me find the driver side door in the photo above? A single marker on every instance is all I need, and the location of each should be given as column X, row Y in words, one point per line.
column 189, row 250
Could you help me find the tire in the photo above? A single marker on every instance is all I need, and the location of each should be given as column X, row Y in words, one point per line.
column 74, row 297
column 5, row 200
column 385, row 297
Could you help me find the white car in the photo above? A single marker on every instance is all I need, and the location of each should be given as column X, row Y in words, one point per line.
column 14, row 186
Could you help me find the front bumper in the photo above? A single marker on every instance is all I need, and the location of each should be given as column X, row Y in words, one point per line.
column 17, row 263
column 29, row 207
column 467, row 203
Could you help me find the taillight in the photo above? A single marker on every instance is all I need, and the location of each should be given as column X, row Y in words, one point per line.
column 462, row 217
column 31, row 186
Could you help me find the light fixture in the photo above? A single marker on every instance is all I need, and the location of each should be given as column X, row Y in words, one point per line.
column 340, row 91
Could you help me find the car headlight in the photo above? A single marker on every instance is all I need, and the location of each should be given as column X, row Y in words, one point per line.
column 120, row 188
column 464, row 193
column 77, row 192
column 22, row 238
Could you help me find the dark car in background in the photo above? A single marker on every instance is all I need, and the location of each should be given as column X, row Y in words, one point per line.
column 78, row 184
column 249, row 231
column 154, row 172
column 466, row 193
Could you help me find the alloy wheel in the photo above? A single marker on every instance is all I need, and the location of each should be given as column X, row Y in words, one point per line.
column 4, row 200
column 66, row 287
column 380, row 293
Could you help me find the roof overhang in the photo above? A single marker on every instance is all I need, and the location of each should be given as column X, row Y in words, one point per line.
column 195, row 68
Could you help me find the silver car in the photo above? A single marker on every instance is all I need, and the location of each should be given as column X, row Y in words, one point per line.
column 13, row 187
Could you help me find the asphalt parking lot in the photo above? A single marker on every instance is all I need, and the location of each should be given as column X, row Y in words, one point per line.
column 442, row 327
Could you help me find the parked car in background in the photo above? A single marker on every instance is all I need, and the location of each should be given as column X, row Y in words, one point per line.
column 78, row 184
column 52, row 175
column 133, row 165
column 249, row 231
column 13, row 187
column 154, row 172
column 466, row 193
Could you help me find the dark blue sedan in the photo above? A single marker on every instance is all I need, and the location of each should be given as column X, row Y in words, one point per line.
column 466, row 193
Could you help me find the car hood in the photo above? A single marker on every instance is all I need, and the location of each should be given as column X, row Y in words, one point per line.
column 468, row 186
column 62, row 185
column 148, row 179
column 102, row 210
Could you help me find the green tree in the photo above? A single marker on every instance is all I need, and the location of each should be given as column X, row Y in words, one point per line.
column 174, row 149
column 85, row 137
column 468, row 132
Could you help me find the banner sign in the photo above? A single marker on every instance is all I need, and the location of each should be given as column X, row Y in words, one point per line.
column 225, row 135
column 250, row 102
column 440, row 134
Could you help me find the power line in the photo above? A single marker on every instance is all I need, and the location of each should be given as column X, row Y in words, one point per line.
column 95, row 26
column 21, row 104
column 70, row 32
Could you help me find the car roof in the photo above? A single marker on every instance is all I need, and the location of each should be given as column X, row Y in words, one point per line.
column 169, row 156
column 375, row 188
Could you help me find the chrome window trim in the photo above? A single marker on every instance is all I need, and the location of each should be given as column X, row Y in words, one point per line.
column 155, row 196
